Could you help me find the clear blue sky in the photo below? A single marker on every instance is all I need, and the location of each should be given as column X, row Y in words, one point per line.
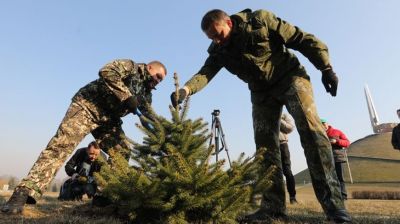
column 49, row 49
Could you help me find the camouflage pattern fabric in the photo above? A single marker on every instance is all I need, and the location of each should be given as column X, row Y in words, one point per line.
column 258, row 53
column 299, row 102
column 111, row 135
column 74, row 127
column 103, row 98
column 96, row 108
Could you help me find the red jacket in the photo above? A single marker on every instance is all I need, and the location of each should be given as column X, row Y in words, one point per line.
column 341, row 139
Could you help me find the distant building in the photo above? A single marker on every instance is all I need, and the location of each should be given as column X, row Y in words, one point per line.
column 5, row 187
column 3, row 181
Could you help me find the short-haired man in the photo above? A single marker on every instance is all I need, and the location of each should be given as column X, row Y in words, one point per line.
column 396, row 134
column 97, row 108
column 80, row 167
column 254, row 46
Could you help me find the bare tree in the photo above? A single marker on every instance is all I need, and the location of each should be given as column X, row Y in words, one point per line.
column 12, row 183
column 54, row 188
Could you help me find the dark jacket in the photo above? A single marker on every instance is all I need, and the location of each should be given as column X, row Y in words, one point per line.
column 258, row 53
column 396, row 137
column 74, row 165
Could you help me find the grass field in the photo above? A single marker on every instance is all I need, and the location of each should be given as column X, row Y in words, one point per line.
column 50, row 210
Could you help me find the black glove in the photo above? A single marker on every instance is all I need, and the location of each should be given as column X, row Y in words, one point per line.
column 330, row 81
column 132, row 104
column 182, row 97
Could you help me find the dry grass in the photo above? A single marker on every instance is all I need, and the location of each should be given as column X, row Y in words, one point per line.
column 49, row 210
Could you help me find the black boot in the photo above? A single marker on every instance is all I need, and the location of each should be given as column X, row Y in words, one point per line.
column 15, row 205
column 339, row 216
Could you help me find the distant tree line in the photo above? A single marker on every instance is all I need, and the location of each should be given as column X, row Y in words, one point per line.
column 382, row 195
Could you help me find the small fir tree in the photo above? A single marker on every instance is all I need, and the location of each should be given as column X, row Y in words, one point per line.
column 173, row 179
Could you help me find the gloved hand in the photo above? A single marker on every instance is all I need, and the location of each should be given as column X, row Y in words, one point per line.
column 131, row 103
column 330, row 81
column 82, row 179
column 74, row 176
column 182, row 97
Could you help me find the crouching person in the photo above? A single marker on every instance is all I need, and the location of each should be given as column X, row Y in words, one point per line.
column 80, row 168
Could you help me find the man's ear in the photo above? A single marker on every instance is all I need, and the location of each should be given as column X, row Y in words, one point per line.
column 229, row 22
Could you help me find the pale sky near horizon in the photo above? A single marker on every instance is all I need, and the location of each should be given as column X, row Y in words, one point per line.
column 50, row 49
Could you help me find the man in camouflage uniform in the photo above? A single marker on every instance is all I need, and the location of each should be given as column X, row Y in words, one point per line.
column 254, row 46
column 97, row 108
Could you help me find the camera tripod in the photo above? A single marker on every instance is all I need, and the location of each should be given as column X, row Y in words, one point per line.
column 218, row 135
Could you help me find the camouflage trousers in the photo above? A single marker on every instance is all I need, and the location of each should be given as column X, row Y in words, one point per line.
column 298, row 99
column 76, row 124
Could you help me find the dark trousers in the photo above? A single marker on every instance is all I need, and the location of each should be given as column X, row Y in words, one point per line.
column 73, row 190
column 287, row 170
column 339, row 173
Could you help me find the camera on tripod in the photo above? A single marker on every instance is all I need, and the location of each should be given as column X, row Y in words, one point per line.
column 217, row 134
column 215, row 112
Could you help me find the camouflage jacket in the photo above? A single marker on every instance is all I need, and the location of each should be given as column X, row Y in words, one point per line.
column 120, row 79
column 257, row 52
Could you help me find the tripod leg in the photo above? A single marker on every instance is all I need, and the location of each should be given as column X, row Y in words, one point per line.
column 223, row 141
column 212, row 132
column 217, row 135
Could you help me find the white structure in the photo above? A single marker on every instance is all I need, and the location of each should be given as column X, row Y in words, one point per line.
column 5, row 187
column 373, row 116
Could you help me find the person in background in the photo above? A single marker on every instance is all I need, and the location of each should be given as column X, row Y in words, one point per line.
column 287, row 127
column 339, row 143
column 80, row 167
column 396, row 134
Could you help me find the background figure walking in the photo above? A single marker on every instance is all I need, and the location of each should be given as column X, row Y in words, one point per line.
column 287, row 127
